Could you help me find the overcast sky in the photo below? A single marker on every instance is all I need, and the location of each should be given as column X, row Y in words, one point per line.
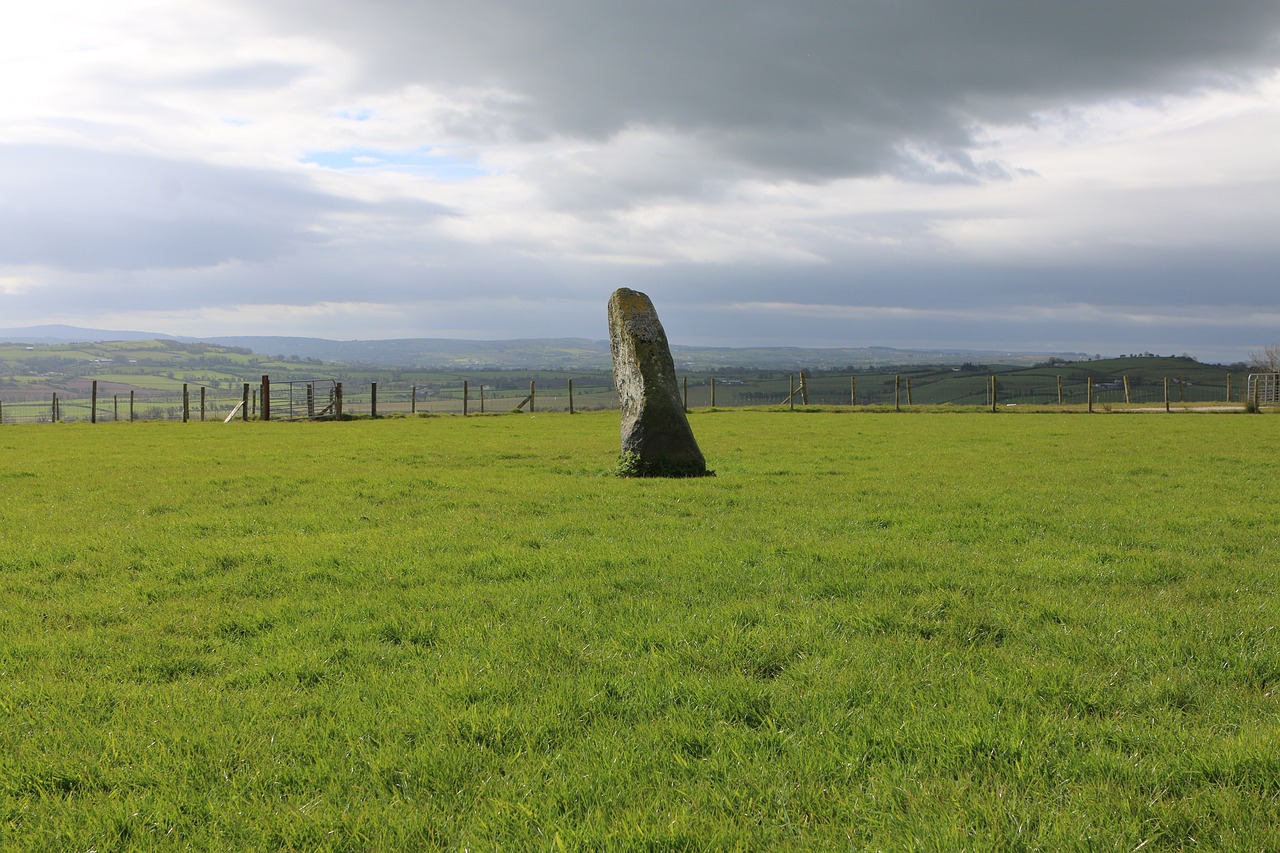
column 1094, row 175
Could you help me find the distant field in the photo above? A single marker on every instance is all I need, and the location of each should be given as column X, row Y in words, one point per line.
column 926, row 631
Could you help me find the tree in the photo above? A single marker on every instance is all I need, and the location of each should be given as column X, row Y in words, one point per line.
column 1268, row 360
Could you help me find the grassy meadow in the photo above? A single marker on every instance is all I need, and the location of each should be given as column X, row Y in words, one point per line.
column 923, row 631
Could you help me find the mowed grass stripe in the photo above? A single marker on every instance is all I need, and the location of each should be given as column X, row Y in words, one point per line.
column 993, row 631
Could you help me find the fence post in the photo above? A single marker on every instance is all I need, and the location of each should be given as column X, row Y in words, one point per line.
column 413, row 399
column 853, row 390
column 532, row 390
column 713, row 392
column 53, row 409
column 115, row 407
column 244, row 402
column 466, row 393
column 482, row 397
column 791, row 390
column 686, row 393
column 93, row 403
column 1256, row 383
column 202, row 390
column 1166, row 393
column 186, row 404
column 1228, row 387
column 571, row 396
column 265, row 398
column 337, row 401
column 804, row 389
column 131, row 415
column 909, row 391
column 1059, row 389
column 897, row 394
column 1090, row 391
column 373, row 399
column 1127, row 398
column 994, row 392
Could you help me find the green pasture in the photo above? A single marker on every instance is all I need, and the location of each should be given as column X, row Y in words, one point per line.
column 927, row 631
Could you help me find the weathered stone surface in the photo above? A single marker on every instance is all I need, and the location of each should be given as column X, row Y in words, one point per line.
column 656, row 438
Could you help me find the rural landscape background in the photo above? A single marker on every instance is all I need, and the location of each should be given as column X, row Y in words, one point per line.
column 147, row 376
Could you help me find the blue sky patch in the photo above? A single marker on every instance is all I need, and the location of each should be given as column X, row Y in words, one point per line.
column 419, row 161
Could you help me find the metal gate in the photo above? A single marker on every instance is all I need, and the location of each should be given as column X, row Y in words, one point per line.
column 303, row 399
column 1264, row 387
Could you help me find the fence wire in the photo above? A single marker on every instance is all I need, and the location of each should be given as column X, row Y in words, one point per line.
column 316, row 398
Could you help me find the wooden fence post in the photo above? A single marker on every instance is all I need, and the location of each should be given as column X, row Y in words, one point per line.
column 482, row 398
column 994, row 392
column 1166, row 393
column 413, row 399
column 115, row 407
column 186, row 404
column 202, row 392
column 853, row 390
column 337, row 401
column 466, row 394
column 131, row 415
column 265, row 398
column 1059, row 389
column 1228, row 387
column 93, row 403
column 311, row 399
column 53, row 409
column 373, row 399
column 909, row 402
column 713, row 392
column 686, row 393
column 804, row 389
column 1090, row 391
column 571, row 396
column 897, row 402
column 244, row 402
column 1127, row 398
column 791, row 390
column 532, row 390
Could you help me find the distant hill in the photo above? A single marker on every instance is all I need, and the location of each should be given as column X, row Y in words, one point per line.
column 435, row 352
column 539, row 353
column 74, row 335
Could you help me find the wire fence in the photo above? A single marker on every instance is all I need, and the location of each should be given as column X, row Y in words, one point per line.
column 324, row 398
column 195, row 403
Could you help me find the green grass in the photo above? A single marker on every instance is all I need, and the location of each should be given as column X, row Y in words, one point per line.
column 928, row 631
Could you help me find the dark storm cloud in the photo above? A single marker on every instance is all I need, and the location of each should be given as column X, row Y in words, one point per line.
column 810, row 90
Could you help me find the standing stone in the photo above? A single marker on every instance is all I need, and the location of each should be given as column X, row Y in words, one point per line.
column 656, row 438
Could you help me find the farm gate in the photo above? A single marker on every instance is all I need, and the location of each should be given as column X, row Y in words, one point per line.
column 1264, row 387
column 301, row 399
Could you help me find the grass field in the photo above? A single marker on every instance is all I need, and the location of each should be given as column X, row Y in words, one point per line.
column 923, row 631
